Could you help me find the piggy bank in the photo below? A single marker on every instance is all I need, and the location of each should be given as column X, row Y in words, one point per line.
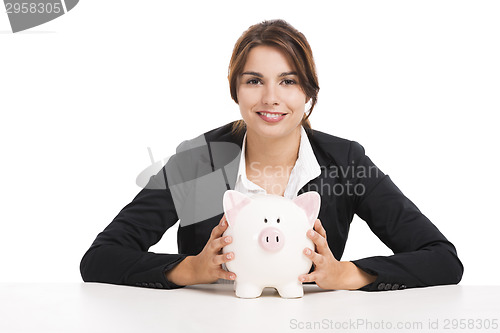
column 269, row 235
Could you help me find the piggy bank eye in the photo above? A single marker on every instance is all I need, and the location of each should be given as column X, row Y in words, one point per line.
column 278, row 220
column 265, row 220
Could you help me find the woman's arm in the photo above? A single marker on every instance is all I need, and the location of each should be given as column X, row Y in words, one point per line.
column 119, row 254
column 422, row 254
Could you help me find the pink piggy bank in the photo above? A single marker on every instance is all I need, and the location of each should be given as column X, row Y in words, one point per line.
column 269, row 235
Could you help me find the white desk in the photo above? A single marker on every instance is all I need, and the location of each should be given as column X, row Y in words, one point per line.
column 91, row 307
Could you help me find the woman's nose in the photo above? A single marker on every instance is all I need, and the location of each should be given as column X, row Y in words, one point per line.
column 270, row 95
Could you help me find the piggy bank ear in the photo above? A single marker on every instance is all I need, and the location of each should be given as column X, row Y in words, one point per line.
column 233, row 202
column 309, row 202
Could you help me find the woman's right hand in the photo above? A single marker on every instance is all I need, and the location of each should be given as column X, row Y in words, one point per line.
column 206, row 267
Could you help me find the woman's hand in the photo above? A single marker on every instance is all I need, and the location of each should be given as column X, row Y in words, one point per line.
column 329, row 273
column 206, row 267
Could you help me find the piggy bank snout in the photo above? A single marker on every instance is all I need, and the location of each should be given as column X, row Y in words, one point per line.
column 271, row 239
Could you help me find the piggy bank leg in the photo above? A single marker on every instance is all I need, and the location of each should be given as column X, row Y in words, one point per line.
column 291, row 290
column 247, row 290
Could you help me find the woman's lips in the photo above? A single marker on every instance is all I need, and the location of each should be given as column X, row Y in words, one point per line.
column 271, row 117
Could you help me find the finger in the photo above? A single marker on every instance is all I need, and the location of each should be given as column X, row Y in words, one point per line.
column 219, row 229
column 223, row 258
column 311, row 277
column 319, row 241
column 222, row 274
column 319, row 228
column 217, row 244
column 316, row 258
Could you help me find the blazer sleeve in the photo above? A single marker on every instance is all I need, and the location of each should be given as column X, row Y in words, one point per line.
column 119, row 254
column 422, row 254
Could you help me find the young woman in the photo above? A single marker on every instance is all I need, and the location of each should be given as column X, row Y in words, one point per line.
column 272, row 78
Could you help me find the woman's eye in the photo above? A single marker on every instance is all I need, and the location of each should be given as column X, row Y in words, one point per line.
column 289, row 82
column 253, row 81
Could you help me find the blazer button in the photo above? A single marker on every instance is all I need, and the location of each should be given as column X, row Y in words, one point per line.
column 395, row 286
column 402, row 286
column 388, row 286
column 151, row 285
column 158, row 285
column 381, row 286
column 144, row 284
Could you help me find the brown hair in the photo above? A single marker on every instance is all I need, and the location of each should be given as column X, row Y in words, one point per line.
column 292, row 43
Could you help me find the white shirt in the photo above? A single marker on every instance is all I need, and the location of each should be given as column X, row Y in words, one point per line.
column 305, row 169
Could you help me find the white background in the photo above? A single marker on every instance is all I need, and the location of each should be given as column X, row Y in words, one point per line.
column 82, row 97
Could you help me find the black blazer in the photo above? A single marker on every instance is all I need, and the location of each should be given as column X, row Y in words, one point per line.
column 348, row 184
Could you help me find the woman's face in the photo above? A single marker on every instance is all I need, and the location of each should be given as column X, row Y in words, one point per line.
column 271, row 100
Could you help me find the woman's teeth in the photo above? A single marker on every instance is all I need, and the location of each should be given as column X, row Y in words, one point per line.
column 271, row 115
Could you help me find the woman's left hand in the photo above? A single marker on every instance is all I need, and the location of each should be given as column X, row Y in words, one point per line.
column 329, row 273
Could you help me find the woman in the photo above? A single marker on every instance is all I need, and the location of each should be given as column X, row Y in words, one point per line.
column 272, row 78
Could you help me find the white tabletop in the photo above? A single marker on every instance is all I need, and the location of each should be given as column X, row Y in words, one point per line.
column 93, row 307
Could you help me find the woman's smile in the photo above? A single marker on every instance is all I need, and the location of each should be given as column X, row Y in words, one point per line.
column 271, row 117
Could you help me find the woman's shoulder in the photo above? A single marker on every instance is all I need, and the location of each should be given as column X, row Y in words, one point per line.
column 220, row 134
column 336, row 147
column 325, row 138
column 225, row 133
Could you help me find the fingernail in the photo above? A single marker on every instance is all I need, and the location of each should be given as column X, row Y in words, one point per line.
column 227, row 239
column 307, row 251
column 229, row 256
column 311, row 233
column 302, row 279
column 232, row 277
column 223, row 222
